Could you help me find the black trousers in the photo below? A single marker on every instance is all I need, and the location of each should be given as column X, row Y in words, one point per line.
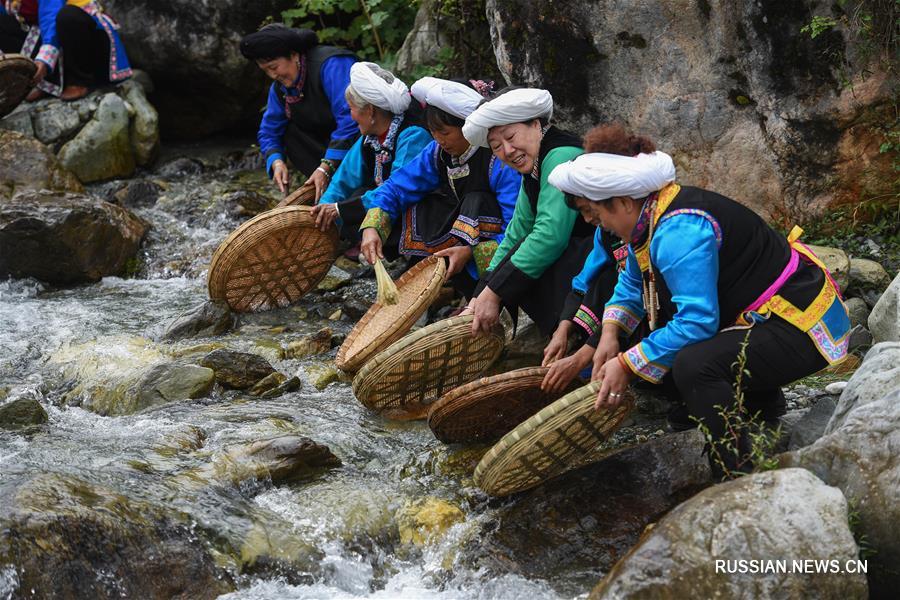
column 777, row 354
column 11, row 35
column 85, row 47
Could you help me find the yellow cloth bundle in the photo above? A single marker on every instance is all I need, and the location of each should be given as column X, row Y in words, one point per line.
column 387, row 289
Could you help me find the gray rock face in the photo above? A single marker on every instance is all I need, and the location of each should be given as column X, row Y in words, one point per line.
column 867, row 274
column 878, row 375
column 859, row 456
column 26, row 164
column 811, row 425
column 424, row 41
column 772, row 515
column 741, row 99
column 282, row 458
column 66, row 239
column 208, row 319
column 858, row 310
column 884, row 322
column 22, row 414
column 191, row 51
column 238, row 370
column 144, row 132
column 53, row 122
column 102, row 149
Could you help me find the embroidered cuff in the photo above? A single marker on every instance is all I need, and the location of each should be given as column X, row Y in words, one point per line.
column 48, row 55
column 587, row 320
column 637, row 361
column 466, row 231
column 622, row 317
column 379, row 220
column 483, row 253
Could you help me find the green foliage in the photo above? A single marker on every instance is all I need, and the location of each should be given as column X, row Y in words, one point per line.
column 374, row 29
column 818, row 26
column 757, row 450
column 854, row 521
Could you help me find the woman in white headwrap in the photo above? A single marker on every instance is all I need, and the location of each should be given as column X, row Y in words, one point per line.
column 712, row 279
column 546, row 243
column 392, row 135
column 452, row 200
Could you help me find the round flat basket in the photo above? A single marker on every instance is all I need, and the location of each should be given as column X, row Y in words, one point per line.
column 487, row 408
column 382, row 325
column 402, row 381
column 303, row 196
column 272, row 260
column 16, row 72
column 563, row 436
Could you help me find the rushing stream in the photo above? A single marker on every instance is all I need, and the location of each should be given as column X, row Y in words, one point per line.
column 335, row 536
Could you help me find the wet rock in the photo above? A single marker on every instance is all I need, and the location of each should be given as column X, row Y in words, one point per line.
column 55, row 121
column 858, row 454
column 355, row 307
column 181, row 166
column 23, row 413
column 102, row 149
column 878, row 375
column 811, row 425
column 617, row 497
column 346, row 264
column 770, row 515
column 168, row 382
column 858, row 310
column 273, row 549
column 335, row 279
column 283, row 458
column 336, row 315
column 209, row 319
column 860, row 338
column 310, row 345
column 291, row 385
column 267, row 383
column 249, row 203
column 884, row 322
column 838, row 263
column 321, row 376
column 138, row 194
column 66, row 239
column 238, row 370
column 60, row 534
column 26, row 164
column 423, row 521
column 144, row 131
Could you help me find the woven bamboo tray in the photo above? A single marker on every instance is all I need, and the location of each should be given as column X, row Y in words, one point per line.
column 487, row 408
column 563, row 436
column 305, row 195
column 16, row 72
column 382, row 325
column 272, row 260
column 403, row 380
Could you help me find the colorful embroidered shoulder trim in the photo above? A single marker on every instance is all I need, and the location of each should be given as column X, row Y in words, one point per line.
column 696, row 211
column 665, row 198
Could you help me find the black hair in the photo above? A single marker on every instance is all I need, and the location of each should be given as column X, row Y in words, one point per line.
column 277, row 40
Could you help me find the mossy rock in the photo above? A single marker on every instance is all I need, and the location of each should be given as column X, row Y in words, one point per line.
column 22, row 414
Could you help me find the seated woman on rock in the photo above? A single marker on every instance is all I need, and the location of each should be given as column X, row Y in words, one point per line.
column 307, row 120
column 546, row 243
column 75, row 44
column 392, row 136
column 710, row 276
column 593, row 286
column 453, row 199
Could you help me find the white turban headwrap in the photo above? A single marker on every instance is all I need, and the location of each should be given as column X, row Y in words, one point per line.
column 598, row 176
column 451, row 97
column 515, row 106
column 393, row 97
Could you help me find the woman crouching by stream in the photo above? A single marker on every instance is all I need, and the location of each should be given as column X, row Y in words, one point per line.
column 714, row 281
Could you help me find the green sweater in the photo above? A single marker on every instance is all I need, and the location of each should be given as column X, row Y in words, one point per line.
column 544, row 235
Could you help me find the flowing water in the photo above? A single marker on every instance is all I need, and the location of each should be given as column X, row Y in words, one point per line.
column 338, row 536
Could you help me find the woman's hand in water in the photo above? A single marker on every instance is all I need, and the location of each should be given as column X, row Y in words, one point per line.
column 458, row 256
column 325, row 214
column 559, row 342
column 281, row 176
column 371, row 246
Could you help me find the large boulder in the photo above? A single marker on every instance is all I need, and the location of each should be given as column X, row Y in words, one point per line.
column 191, row 51
column 65, row 238
column 859, row 456
column 102, row 150
column 746, row 103
column 776, row 515
column 867, row 274
column 22, row 414
column 208, row 319
column 66, row 538
column 878, row 375
column 237, row 370
column 27, row 164
column 884, row 321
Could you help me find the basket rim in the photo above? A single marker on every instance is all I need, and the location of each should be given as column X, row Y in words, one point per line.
column 521, row 373
column 299, row 197
column 402, row 324
column 509, row 441
column 304, row 219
